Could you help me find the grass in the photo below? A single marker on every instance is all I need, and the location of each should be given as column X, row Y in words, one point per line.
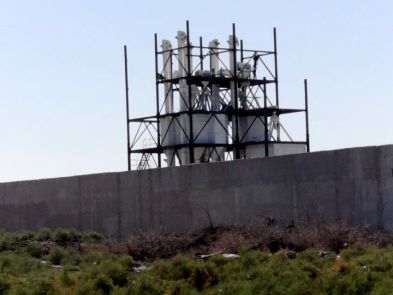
column 66, row 262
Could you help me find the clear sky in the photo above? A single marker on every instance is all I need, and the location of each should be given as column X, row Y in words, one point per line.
column 62, row 109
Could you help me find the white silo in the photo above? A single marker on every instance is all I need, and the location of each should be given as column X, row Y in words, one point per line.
column 183, row 134
column 168, row 128
column 220, row 120
column 214, row 68
column 207, row 129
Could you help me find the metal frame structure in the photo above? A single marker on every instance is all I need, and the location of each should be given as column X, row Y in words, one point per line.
column 241, row 92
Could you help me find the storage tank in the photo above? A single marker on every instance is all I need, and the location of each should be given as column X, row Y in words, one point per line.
column 214, row 69
column 274, row 148
column 167, row 127
column 183, row 134
column 207, row 129
column 222, row 119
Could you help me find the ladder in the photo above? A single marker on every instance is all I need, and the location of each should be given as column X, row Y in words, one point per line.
column 144, row 162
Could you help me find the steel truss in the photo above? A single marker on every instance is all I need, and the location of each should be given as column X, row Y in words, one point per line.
column 148, row 145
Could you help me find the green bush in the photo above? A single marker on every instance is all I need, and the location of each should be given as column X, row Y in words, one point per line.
column 92, row 237
column 103, row 283
column 66, row 279
column 5, row 241
column 23, row 236
column 64, row 236
column 93, row 256
column 115, row 271
column 33, row 285
column 4, row 284
column 126, row 261
column 34, row 250
column 44, row 234
column 148, row 285
column 57, row 255
column 40, row 286
column 100, row 284
column 18, row 264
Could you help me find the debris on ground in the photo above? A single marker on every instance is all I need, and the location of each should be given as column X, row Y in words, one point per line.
column 230, row 256
column 141, row 268
column 322, row 253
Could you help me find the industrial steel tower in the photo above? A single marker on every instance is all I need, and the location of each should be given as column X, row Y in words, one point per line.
column 213, row 103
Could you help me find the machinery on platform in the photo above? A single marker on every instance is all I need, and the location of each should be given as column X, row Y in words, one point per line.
column 213, row 103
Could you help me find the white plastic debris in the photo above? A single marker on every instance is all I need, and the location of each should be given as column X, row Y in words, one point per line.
column 206, row 256
column 322, row 253
column 225, row 255
column 230, row 256
column 140, row 268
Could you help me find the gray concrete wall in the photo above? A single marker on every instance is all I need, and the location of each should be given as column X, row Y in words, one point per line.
column 350, row 185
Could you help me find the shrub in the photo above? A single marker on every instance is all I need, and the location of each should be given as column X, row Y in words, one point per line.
column 57, row 255
column 34, row 250
column 4, row 284
column 93, row 256
column 147, row 285
column 115, row 271
column 33, row 285
column 104, row 284
column 44, row 234
column 23, row 237
column 101, row 284
column 5, row 242
column 72, row 258
column 65, row 278
column 63, row 236
column 92, row 237
column 126, row 261
column 40, row 285
column 18, row 264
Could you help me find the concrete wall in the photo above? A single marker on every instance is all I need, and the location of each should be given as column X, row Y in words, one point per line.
column 350, row 185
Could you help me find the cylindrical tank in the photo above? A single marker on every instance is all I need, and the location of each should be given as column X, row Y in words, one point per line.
column 183, row 69
column 168, row 129
column 251, row 129
column 233, row 43
column 207, row 129
column 214, row 68
column 183, row 133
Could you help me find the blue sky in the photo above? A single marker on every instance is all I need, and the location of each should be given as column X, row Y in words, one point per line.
column 62, row 87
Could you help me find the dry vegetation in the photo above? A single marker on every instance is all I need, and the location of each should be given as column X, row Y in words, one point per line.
column 267, row 236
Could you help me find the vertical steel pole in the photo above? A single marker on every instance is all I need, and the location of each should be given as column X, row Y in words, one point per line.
column 265, row 118
column 157, row 102
column 306, row 109
column 236, row 115
column 190, row 106
column 201, row 52
column 276, row 67
column 127, row 109
column 241, row 51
